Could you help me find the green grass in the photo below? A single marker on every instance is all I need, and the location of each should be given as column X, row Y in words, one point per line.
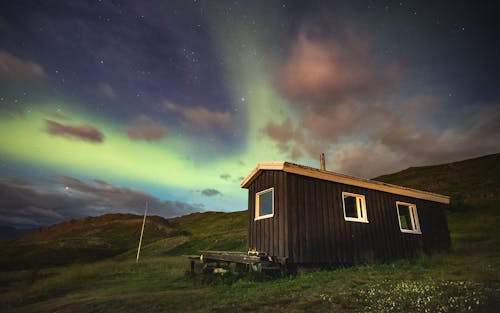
column 467, row 279
column 212, row 231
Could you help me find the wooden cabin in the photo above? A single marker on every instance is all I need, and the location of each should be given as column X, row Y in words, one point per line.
column 303, row 215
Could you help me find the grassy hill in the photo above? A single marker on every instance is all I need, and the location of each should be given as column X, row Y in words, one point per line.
column 473, row 179
column 116, row 235
column 466, row 279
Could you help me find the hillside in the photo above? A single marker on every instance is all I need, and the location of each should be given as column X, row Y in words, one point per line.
column 117, row 235
column 477, row 178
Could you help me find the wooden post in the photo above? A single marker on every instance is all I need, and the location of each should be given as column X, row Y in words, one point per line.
column 322, row 161
column 142, row 232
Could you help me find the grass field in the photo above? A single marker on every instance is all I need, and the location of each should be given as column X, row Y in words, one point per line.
column 466, row 279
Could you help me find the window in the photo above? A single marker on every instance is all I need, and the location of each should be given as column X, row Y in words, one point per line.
column 354, row 207
column 264, row 204
column 408, row 218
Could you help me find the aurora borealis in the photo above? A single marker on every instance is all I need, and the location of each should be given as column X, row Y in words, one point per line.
column 107, row 104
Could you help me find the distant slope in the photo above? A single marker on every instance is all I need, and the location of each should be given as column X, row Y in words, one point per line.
column 82, row 240
column 116, row 235
column 477, row 178
column 103, row 226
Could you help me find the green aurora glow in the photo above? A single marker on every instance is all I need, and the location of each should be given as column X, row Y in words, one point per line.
column 161, row 164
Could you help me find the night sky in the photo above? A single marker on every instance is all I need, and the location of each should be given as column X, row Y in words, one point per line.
column 105, row 105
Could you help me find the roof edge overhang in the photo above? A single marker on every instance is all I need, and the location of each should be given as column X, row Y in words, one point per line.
column 343, row 179
column 276, row 166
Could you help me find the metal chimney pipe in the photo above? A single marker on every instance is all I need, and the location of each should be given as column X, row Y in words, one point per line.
column 322, row 161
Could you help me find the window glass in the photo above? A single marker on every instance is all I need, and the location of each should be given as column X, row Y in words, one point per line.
column 266, row 203
column 404, row 216
column 354, row 207
column 350, row 207
column 408, row 218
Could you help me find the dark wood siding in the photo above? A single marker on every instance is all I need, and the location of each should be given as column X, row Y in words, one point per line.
column 308, row 225
column 269, row 235
column 320, row 234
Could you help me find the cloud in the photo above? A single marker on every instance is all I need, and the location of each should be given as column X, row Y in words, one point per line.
column 147, row 129
column 328, row 82
column 225, row 176
column 84, row 132
column 15, row 71
column 293, row 140
column 398, row 141
column 168, row 105
column 106, row 90
column 343, row 103
column 283, row 132
column 366, row 159
column 476, row 133
column 387, row 139
column 326, row 72
column 121, row 198
column 210, row 192
column 206, row 119
column 27, row 205
column 200, row 117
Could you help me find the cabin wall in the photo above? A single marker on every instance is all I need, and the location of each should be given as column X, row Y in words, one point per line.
column 318, row 232
column 270, row 234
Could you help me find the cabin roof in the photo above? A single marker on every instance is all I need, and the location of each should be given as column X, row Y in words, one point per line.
column 341, row 178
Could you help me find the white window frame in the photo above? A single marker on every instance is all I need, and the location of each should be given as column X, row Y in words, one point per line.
column 360, row 207
column 413, row 217
column 257, row 204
